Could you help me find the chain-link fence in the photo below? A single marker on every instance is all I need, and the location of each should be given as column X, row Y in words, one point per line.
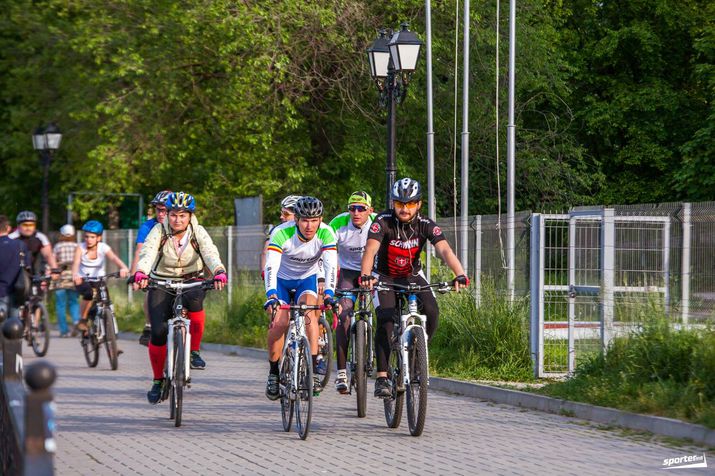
column 592, row 273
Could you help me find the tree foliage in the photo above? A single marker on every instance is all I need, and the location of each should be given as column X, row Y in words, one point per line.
column 227, row 99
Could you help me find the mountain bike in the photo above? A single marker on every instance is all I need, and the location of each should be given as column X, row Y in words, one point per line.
column 102, row 324
column 325, row 349
column 361, row 351
column 177, row 369
column 408, row 367
column 33, row 315
column 296, row 370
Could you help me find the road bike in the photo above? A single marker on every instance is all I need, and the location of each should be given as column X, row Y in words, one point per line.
column 408, row 367
column 102, row 324
column 295, row 376
column 177, row 368
column 361, row 351
column 34, row 316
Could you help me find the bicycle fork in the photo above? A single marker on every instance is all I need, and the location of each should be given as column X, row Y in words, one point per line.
column 408, row 325
column 182, row 323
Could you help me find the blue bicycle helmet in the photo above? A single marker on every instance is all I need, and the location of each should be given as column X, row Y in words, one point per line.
column 181, row 201
column 93, row 226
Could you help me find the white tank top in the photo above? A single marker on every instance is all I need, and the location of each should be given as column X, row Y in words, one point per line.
column 93, row 268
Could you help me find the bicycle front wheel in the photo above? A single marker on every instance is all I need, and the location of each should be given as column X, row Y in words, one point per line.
column 360, row 367
column 394, row 403
column 177, row 384
column 40, row 329
column 325, row 348
column 417, row 388
column 110, row 338
column 304, row 391
column 90, row 345
column 287, row 390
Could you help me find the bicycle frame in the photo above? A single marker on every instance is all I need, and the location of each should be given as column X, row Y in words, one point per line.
column 102, row 300
column 296, row 331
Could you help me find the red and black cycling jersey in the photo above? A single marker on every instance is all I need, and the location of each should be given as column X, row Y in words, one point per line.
column 402, row 243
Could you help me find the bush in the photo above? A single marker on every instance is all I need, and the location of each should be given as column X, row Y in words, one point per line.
column 486, row 342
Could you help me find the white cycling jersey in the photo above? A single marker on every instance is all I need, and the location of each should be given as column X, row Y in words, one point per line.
column 351, row 240
column 290, row 256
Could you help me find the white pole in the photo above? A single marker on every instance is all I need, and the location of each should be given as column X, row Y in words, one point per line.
column 511, row 137
column 464, row 228
column 685, row 263
column 431, row 205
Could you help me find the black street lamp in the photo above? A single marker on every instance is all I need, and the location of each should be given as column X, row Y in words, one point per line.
column 392, row 62
column 46, row 141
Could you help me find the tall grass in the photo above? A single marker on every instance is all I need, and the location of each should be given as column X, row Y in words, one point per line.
column 658, row 370
column 487, row 342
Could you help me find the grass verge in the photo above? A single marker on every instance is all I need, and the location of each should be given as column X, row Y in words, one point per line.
column 657, row 371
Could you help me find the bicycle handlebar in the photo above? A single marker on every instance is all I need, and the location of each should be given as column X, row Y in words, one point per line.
column 347, row 292
column 443, row 287
column 174, row 285
column 98, row 279
column 304, row 307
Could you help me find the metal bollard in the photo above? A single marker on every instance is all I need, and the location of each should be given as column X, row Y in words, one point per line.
column 40, row 442
column 12, row 349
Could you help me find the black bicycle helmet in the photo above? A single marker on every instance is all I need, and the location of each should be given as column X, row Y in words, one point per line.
column 308, row 207
column 407, row 190
column 25, row 216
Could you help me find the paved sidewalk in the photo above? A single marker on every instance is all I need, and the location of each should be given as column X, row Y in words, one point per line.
column 105, row 426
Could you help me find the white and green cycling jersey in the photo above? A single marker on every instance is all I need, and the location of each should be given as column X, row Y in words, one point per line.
column 290, row 256
column 351, row 240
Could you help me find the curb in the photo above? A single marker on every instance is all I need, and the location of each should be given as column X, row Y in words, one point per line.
column 654, row 424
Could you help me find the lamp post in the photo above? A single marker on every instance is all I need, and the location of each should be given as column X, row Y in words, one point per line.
column 392, row 62
column 46, row 141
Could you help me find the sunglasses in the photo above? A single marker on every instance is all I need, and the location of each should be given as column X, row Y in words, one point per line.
column 405, row 204
column 286, row 213
column 357, row 208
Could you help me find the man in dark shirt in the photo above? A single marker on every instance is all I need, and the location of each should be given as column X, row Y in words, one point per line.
column 10, row 251
column 397, row 238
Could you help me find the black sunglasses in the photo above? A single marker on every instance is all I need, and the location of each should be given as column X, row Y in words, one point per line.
column 357, row 208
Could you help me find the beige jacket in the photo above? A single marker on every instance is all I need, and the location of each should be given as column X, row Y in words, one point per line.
column 172, row 265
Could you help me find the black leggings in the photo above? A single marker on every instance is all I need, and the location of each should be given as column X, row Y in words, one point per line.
column 386, row 317
column 161, row 305
column 347, row 280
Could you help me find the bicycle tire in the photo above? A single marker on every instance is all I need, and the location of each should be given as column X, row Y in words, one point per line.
column 304, row 392
column 417, row 388
column 90, row 345
column 325, row 333
column 287, row 403
column 110, row 338
column 361, row 367
column 179, row 376
column 393, row 405
column 172, row 403
column 40, row 335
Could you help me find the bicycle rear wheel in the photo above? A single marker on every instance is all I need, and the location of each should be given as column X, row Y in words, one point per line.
column 325, row 348
column 110, row 338
column 304, row 392
column 417, row 388
column 393, row 404
column 286, row 389
column 177, row 384
column 39, row 329
column 360, row 367
column 90, row 345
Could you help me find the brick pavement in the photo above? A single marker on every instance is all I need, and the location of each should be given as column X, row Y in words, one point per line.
column 105, row 426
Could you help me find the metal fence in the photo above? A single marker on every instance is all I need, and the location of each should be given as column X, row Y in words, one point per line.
column 591, row 273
